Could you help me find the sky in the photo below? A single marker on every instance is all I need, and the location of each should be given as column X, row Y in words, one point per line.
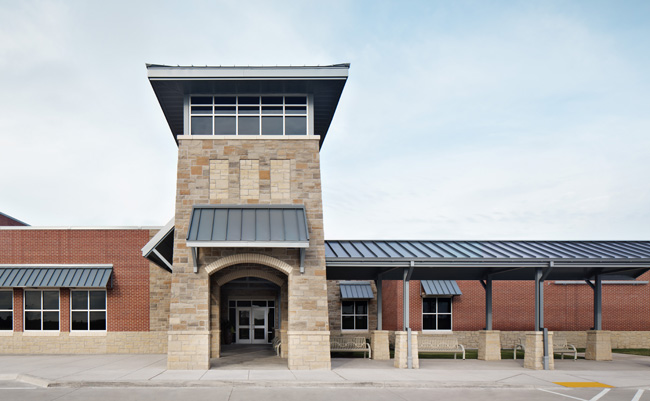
column 466, row 120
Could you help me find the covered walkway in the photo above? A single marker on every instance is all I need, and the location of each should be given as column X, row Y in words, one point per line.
column 486, row 261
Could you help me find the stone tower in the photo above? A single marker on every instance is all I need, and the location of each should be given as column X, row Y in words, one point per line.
column 248, row 246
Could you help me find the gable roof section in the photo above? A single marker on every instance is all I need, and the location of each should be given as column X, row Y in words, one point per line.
column 6, row 220
column 160, row 248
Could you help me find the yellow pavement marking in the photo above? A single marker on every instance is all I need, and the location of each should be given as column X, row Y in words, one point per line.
column 583, row 384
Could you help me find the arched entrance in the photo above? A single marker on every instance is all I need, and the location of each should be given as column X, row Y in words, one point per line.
column 248, row 302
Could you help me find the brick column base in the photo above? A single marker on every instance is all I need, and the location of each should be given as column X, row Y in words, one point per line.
column 309, row 350
column 379, row 345
column 599, row 345
column 534, row 356
column 489, row 345
column 401, row 350
column 188, row 350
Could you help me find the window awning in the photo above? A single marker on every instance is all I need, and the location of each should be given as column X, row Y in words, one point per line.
column 440, row 287
column 55, row 276
column 269, row 226
column 356, row 290
column 160, row 249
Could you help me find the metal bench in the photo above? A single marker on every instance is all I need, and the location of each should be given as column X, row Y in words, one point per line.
column 277, row 343
column 560, row 346
column 440, row 344
column 350, row 344
column 519, row 346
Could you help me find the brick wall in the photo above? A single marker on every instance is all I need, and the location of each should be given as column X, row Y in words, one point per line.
column 566, row 307
column 127, row 299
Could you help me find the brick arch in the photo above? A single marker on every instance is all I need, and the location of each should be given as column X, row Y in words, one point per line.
column 242, row 258
column 233, row 275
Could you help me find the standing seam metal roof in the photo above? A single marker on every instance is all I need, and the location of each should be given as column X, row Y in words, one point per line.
column 356, row 290
column 487, row 250
column 232, row 224
column 55, row 276
column 440, row 287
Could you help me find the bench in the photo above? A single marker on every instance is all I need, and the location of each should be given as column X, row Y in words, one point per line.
column 560, row 346
column 350, row 344
column 277, row 343
column 440, row 344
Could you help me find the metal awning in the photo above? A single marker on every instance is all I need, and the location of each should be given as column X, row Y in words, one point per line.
column 356, row 290
column 160, row 249
column 476, row 260
column 269, row 226
column 55, row 276
column 440, row 287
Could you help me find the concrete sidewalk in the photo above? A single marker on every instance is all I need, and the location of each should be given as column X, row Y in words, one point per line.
column 625, row 371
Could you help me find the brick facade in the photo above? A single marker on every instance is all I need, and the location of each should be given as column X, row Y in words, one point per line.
column 566, row 307
column 137, row 298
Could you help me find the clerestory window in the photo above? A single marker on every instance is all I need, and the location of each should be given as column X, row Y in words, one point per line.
column 249, row 115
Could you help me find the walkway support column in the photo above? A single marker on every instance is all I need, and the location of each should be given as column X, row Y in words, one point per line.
column 489, row 341
column 380, row 322
column 539, row 299
column 599, row 343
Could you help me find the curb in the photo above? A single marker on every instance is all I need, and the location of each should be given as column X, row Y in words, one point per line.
column 282, row 384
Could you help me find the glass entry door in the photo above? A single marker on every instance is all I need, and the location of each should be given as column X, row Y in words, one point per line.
column 252, row 325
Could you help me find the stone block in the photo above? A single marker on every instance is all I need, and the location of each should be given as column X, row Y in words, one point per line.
column 380, row 345
column 599, row 345
column 534, row 356
column 489, row 345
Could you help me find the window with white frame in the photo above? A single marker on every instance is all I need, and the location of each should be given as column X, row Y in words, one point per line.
column 88, row 310
column 42, row 310
column 354, row 315
column 6, row 310
column 436, row 313
column 248, row 115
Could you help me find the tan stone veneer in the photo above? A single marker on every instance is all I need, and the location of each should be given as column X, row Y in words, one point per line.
column 253, row 178
column 112, row 342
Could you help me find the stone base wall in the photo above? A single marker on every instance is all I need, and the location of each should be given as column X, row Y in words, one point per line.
column 188, row 350
column 620, row 339
column 309, row 350
column 120, row 342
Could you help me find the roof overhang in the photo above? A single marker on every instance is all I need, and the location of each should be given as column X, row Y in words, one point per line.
column 55, row 276
column 479, row 260
column 172, row 84
column 160, row 249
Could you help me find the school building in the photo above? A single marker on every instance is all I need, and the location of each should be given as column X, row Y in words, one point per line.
column 245, row 259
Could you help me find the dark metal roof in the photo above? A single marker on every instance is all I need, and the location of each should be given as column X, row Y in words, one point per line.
column 248, row 226
column 172, row 83
column 440, row 287
column 356, row 290
column 160, row 249
column 54, row 276
column 474, row 260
